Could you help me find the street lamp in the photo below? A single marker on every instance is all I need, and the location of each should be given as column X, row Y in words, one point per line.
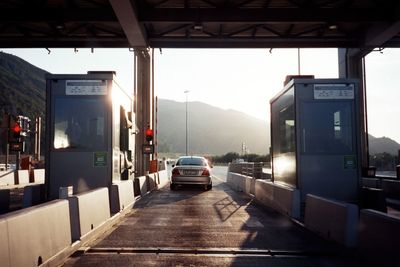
column 186, row 93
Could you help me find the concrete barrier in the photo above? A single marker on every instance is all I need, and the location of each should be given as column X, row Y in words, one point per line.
column 38, row 176
column 23, row 176
column 391, row 188
column 264, row 192
column 143, row 185
column 151, row 181
column 136, row 187
column 7, row 179
column 237, row 181
column 379, row 238
column 163, row 178
column 33, row 195
column 247, row 184
column 371, row 182
column 287, row 200
column 373, row 198
column 88, row 211
column 282, row 198
column 34, row 235
column 121, row 196
column 332, row 220
column 4, row 200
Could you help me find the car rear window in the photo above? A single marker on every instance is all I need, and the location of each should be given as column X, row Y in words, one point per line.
column 191, row 161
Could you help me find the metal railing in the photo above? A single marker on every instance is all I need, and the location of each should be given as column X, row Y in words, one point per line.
column 252, row 169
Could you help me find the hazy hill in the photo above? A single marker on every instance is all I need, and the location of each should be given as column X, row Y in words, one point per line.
column 22, row 87
column 211, row 130
column 217, row 131
column 383, row 144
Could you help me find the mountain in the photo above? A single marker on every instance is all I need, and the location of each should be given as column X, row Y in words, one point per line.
column 22, row 87
column 383, row 144
column 211, row 130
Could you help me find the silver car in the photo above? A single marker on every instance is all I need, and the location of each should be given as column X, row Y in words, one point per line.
column 191, row 170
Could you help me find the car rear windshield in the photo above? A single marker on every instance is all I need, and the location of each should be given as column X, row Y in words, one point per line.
column 191, row 161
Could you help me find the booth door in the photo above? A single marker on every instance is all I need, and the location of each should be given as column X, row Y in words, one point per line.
column 327, row 160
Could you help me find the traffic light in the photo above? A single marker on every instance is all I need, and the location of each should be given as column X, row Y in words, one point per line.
column 149, row 134
column 16, row 131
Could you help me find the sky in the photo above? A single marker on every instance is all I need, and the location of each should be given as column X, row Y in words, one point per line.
column 239, row 79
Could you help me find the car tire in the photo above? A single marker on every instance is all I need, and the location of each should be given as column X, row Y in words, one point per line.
column 209, row 187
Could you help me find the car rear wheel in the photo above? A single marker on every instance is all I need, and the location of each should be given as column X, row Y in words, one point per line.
column 208, row 187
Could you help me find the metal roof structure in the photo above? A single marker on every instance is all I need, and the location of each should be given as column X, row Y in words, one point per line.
column 364, row 24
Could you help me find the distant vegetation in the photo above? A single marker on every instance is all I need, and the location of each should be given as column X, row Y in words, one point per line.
column 231, row 156
column 22, row 92
column 22, row 87
column 384, row 161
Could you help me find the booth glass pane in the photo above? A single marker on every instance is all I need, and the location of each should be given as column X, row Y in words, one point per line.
column 286, row 129
column 326, row 127
column 79, row 123
column 283, row 124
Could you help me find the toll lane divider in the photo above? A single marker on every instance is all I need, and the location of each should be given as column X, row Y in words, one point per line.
column 38, row 176
column 22, row 177
column 282, row 198
column 7, row 178
column 379, row 238
column 88, row 211
column 163, row 178
column 331, row 219
column 34, row 235
column 121, row 196
column 142, row 185
column 48, row 233
column 151, row 181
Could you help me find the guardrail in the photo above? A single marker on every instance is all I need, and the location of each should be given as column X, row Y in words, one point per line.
column 252, row 169
column 60, row 227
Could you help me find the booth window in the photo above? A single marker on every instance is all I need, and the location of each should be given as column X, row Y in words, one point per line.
column 79, row 123
column 283, row 124
column 286, row 129
column 327, row 128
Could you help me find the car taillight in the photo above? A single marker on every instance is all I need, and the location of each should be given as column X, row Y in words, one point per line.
column 206, row 172
column 175, row 172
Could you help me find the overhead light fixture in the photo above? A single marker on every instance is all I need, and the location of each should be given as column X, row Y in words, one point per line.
column 198, row 27
column 333, row 27
column 60, row 26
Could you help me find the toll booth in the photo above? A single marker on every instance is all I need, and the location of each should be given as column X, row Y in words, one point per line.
column 315, row 137
column 90, row 132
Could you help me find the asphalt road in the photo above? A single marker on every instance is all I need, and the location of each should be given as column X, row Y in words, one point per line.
column 220, row 227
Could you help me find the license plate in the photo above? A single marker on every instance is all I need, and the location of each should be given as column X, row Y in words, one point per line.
column 190, row 172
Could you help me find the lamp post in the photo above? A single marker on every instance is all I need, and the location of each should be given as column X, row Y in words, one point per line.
column 186, row 93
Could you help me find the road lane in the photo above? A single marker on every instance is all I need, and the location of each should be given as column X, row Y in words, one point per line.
column 193, row 227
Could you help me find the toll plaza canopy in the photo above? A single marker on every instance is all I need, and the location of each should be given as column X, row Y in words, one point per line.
column 364, row 24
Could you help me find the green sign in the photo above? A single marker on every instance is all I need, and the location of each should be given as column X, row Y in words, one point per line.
column 99, row 159
column 350, row 162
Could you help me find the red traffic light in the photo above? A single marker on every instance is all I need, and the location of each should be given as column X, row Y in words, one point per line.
column 16, row 130
column 149, row 134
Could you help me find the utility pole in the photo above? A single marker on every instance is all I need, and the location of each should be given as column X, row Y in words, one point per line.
column 186, row 92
